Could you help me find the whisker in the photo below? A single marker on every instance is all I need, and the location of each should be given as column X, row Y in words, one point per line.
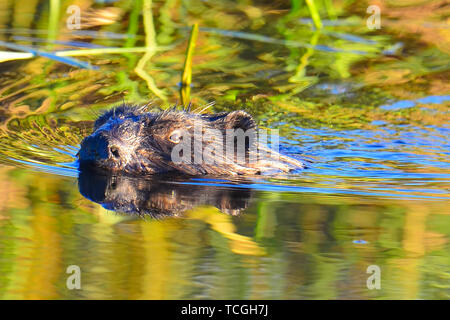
column 146, row 106
column 207, row 106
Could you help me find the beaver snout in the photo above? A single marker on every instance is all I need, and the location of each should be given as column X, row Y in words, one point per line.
column 99, row 147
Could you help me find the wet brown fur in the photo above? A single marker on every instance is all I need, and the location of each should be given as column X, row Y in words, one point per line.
column 131, row 140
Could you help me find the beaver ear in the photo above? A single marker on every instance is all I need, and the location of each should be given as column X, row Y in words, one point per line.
column 239, row 120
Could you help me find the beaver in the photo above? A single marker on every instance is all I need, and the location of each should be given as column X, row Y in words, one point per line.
column 129, row 139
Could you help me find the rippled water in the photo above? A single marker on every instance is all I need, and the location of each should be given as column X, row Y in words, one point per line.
column 369, row 109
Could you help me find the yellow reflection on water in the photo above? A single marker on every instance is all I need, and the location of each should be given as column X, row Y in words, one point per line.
column 307, row 251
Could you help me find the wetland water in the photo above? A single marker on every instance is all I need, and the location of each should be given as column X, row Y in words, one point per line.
column 370, row 108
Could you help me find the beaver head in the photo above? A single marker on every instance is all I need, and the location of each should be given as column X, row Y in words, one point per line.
column 130, row 140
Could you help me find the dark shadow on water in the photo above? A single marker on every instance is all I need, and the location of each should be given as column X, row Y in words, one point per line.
column 159, row 196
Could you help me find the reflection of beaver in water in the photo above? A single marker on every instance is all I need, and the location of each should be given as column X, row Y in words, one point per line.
column 160, row 196
column 130, row 140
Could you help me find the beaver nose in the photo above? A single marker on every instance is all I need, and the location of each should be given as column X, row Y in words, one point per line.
column 114, row 151
column 99, row 147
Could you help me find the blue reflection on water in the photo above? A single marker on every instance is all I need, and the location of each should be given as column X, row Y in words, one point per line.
column 404, row 104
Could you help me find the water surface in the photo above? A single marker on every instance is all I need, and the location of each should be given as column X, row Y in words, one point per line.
column 369, row 108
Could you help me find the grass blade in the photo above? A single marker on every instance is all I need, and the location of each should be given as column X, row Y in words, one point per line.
column 314, row 13
column 68, row 61
column 186, row 77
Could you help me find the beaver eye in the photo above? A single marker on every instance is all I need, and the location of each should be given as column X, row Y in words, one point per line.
column 175, row 137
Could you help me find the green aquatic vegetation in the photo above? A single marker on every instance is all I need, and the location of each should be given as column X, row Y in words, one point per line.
column 314, row 13
column 150, row 41
column 186, row 76
column 125, row 84
column 54, row 20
